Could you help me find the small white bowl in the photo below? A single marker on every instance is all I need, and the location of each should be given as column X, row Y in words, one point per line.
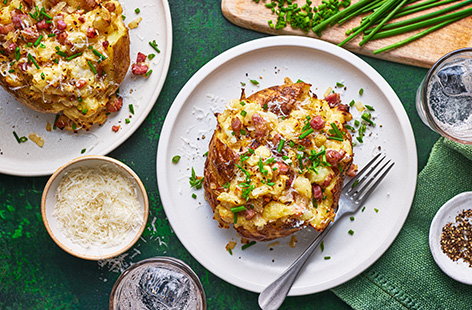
column 48, row 202
column 458, row 270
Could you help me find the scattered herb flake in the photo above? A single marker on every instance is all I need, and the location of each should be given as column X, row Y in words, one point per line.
column 176, row 159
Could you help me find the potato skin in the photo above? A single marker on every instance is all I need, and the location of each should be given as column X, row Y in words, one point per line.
column 220, row 166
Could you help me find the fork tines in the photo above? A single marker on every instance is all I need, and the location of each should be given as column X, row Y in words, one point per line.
column 361, row 186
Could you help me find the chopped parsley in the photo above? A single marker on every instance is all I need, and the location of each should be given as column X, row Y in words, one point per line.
column 153, row 44
column 245, row 246
column 361, row 91
column 176, row 159
column 254, row 82
column 351, row 232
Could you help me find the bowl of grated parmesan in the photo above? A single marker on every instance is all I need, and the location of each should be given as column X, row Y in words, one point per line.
column 94, row 207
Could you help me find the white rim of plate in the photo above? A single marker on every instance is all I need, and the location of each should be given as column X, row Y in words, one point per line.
column 138, row 121
column 249, row 47
column 446, row 214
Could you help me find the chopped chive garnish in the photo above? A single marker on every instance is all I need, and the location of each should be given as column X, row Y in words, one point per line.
column 55, row 61
column 38, row 40
column 335, row 138
column 84, row 111
column 357, row 123
column 248, row 245
column 322, row 246
column 83, row 151
column 92, row 67
column 243, row 113
column 360, row 139
column 5, row 1
column 131, row 109
column 243, row 132
column 11, row 70
column 299, row 81
column 154, row 46
column 80, row 99
column 281, row 145
column 74, row 56
column 367, row 117
column 123, row 17
column 148, row 73
column 306, row 133
column 352, row 103
column 352, row 218
column 97, row 53
column 29, row 44
column 194, row 196
column 176, row 159
column 151, row 56
column 270, row 183
column 205, row 154
column 235, row 218
column 291, row 143
column 43, row 76
column 261, row 167
column 251, row 151
column 137, row 11
column 376, row 210
column 127, row 120
column 369, row 107
column 195, row 181
column 363, row 208
column 254, row 82
column 351, row 232
column 61, row 53
column 43, row 12
column 19, row 139
column 242, row 103
column 356, row 182
column 17, row 53
column 226, row 185
column 339, row 84
column 361, row 91
column 349, row 127
column 247, row 173
column 270, row 160
column 327, row 257
column 238, row 209
column 33, row 60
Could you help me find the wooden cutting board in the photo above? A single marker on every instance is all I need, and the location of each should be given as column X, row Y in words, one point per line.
column 423, row 52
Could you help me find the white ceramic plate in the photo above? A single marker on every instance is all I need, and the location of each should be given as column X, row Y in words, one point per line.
column 458, row 270
column 188, row 129
column 27, row 159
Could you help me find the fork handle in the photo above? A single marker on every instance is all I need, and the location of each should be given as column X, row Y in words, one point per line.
column 272, row 297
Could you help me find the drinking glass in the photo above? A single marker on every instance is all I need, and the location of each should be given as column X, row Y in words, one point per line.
column 444, row 98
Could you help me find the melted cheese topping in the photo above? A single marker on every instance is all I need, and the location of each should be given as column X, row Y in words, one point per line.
column 258, row 185
column 97, row 206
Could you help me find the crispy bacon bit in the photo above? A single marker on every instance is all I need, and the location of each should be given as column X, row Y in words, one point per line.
column 276, row 139
column 249, row 214
column 333, row 157
column 105, row 44
column 61, row 122
column 62, row 37
column 317, row 122
column 90, row 4
column 42, row 25
column 29, row 2
column 282, row 167
column 306, row 142
column 317, row 192
column 141, row 57
column 139, row 69
column 11, row 47
column 333, row 99
column 61, row 25
column 115, row 128
column 259, row 124
column 236, row 125
column 115, row 104
column 81, row 19
column 7, row 28
column 328, row 180
column 80, row 83
column 91, row 33
column 343, row 107
column 352, row 171
column 110, row 6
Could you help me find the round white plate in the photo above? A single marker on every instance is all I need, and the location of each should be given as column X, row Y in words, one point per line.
column 190, row 124
column 27, row 159
column 458, row 270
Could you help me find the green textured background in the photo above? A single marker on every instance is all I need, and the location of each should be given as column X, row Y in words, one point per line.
column 36, row 274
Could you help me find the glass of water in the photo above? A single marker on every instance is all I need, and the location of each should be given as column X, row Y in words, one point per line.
column 159, row 283
column 444, row 98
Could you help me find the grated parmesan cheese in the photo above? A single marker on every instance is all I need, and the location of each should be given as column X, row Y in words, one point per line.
column 97, row 206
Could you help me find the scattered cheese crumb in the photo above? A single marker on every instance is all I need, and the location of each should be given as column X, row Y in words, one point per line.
column 135, row 23
column 48, row 126
column 36, row 139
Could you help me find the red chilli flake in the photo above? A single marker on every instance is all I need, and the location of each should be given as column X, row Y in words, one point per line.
column 456, row 238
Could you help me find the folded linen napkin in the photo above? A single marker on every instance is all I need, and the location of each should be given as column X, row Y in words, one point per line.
column 406, row 276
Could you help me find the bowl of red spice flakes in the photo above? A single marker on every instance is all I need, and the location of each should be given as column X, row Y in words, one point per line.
column 450, row 238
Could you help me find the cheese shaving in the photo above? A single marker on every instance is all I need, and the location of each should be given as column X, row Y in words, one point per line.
column 97, row 206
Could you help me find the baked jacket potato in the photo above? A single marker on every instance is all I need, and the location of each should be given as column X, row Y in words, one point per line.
column 277, row 161
column 65, row 57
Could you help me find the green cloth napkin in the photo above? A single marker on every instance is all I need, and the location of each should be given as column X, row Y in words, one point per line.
column 406, row 276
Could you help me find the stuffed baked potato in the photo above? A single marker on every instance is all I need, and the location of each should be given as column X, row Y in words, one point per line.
column 277, row 161
column 65, row 57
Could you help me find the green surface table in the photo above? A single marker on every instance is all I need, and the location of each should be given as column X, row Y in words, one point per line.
column 36, row 274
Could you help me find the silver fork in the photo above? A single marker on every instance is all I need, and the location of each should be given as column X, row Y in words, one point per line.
column 353, row 196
